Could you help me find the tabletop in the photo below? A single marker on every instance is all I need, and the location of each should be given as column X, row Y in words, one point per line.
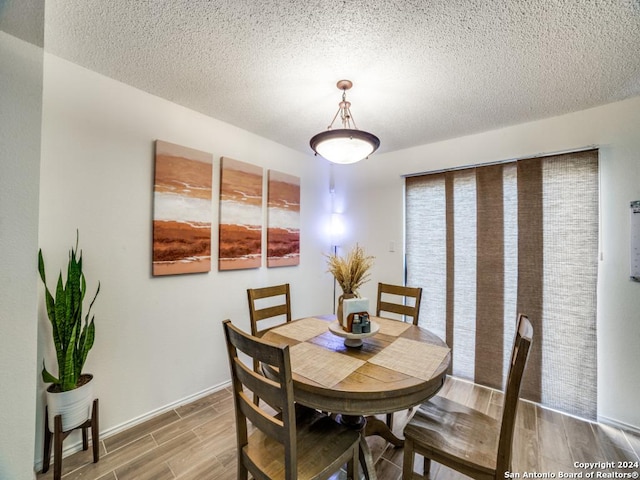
column 399, row 367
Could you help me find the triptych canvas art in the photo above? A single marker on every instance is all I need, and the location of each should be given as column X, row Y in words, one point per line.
column 183, row 212
column 240, row 234
column 283, row 218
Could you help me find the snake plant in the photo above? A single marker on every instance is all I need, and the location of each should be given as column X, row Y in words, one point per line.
column 72, row 338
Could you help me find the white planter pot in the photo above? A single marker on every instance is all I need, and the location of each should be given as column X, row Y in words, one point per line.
column 74, row 406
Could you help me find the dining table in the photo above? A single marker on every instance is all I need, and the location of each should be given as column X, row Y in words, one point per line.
column 395, row 367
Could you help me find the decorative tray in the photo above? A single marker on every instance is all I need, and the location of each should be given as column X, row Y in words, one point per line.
column 352, row 339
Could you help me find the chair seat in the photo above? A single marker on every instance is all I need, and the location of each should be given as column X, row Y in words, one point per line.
column 451, row 433
column 320, row 442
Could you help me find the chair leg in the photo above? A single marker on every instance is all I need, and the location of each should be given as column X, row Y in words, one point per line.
column 350, row 475
column 365, row 458
column 390, row 421
column 353, row 472
column 243, row 473
column 95, row 432
column 46, row 455
column 407, row 461
column 427, row 467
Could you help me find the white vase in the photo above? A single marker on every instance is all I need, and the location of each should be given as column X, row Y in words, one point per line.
column 74, row 405
column 339, row 312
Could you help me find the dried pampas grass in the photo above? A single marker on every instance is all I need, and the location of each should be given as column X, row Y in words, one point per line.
column 352, row 271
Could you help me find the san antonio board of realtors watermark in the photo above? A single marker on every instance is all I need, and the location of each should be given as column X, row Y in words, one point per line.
column 594, row 470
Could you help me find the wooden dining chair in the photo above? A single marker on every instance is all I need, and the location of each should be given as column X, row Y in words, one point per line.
column 262, row 308
column 297, row 442
column 272, row 307
column 401, row 306
column 465, row 439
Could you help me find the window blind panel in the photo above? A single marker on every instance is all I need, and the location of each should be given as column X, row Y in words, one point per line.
column 489, row 341
column 451, row 278
column 570, row 224
column 426, row 248
column 510, row 197
column 530, row 271
column 465, row 247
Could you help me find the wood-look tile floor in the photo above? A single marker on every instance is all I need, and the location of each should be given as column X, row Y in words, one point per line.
column 196, row 441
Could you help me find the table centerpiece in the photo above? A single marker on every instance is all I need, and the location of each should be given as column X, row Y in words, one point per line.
column 351, row 272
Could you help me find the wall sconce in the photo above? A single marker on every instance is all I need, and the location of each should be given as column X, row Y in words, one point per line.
column 337, row 229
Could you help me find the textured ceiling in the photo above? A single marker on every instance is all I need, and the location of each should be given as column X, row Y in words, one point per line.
column 422, row 70
column 23, row 19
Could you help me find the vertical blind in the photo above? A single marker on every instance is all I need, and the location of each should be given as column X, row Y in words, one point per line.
column 488, row 242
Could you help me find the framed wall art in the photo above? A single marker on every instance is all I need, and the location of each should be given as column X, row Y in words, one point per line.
column 283, row 217
column 182, row 210
column 240, row 241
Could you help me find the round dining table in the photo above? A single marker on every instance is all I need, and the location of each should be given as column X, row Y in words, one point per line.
column 399, row 367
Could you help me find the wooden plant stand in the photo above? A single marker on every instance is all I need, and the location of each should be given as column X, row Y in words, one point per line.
column 59, row 436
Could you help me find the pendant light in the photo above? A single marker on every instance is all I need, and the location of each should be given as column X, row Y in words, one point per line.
column 346, row 144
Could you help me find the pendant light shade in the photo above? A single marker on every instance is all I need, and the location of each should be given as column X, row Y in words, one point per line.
column 344, row 145
column 347, row 144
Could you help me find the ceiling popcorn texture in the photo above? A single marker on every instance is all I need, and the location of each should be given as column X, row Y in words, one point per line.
column 422, row 70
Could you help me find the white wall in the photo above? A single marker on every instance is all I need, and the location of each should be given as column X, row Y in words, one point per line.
column 158, row 340
column 20, row 113
column 374, row 205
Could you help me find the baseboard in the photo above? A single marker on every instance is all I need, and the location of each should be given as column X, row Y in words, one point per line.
column 72, row 448
column 600, row 419
column 617, row 424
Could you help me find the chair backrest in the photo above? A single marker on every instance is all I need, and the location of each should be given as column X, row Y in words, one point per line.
column 401, row 308
column 519, row 355
column 258, row 314
column 278, row 393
